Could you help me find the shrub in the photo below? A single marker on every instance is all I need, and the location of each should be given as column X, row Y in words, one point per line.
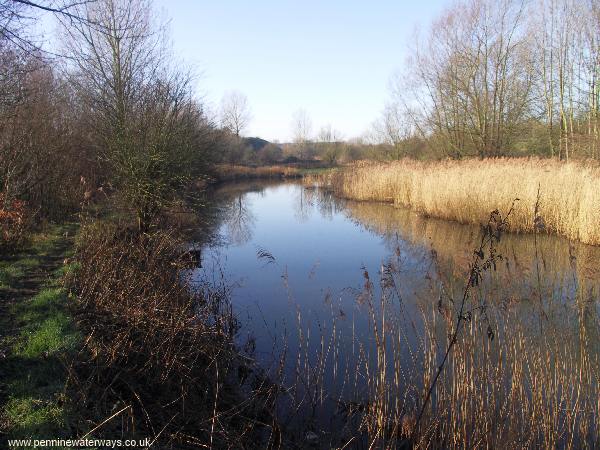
column 157, row 352
column 12, row 221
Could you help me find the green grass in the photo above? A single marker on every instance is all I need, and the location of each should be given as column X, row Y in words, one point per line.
column 47, row 328
column 9, row 273
column 36, row 418
column 41, row 342
column 65, row 270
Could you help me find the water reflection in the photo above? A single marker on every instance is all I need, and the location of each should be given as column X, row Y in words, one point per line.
column 321, row 245
column 228, row 218
column 345, row 274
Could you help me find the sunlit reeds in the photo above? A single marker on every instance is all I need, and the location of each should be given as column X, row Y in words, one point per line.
column 523, row 372
column 226, row 172
column 467, row 190
column 533, row 384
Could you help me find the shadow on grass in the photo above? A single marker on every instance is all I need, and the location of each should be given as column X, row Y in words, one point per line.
column 37, row 339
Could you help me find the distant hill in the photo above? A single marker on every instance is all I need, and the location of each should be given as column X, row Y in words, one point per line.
column 257, row 143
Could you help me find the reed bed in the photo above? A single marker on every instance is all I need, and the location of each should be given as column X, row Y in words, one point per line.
column 226, row 172
column 523, row 372
column 533, row 384
column 526, row 389
column 467, row 190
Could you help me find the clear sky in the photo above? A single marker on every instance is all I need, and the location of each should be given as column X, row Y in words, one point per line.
column 333, row 58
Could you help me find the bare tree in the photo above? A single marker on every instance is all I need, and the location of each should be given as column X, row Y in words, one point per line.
column 330, row 141
column 469, row 85
column 490, row 74
column 301, row 131
column 17, row 18
column 22, row 164
column 394, row 128
column 149, row 130
column 38, row 128
column 235, row 112
column 567, row 51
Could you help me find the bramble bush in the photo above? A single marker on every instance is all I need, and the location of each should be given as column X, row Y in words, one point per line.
column 13, row 219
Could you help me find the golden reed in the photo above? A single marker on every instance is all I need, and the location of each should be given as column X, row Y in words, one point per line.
column 467, row 190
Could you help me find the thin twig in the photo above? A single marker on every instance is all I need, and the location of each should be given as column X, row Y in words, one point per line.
column 105, row 421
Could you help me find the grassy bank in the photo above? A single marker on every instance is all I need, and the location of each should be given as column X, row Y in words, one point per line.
column 159, row 360
column 467, row 190
column 37, row 339
column 103, row 336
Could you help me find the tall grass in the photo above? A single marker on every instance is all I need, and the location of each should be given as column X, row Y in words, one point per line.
column 159, row 359
column 533, row 383
column 236, row 172
column 525, row 389
column 467, row 190
column 523, row 371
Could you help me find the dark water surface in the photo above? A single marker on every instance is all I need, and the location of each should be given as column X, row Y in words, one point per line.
column 294, row 253
column 307, row 271
column 289, row 250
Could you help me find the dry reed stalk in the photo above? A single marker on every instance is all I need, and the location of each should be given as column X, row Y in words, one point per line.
column 534, row 385
column 161, row 348
column 226, row 172
column 526, row 388
column 466, row 190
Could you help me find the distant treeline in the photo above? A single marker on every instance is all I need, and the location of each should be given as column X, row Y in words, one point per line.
column 256, row 152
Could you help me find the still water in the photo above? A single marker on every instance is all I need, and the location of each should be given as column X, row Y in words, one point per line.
column 311, row 273
column 295, row 253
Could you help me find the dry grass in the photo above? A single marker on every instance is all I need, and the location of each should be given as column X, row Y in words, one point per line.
column 527, row 388
column 159, row 359
column 466, row 191
column 530, row 380
column 534, row 384
column 226, row 172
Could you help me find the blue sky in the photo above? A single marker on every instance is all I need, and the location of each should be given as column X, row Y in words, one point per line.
column 332, row 58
